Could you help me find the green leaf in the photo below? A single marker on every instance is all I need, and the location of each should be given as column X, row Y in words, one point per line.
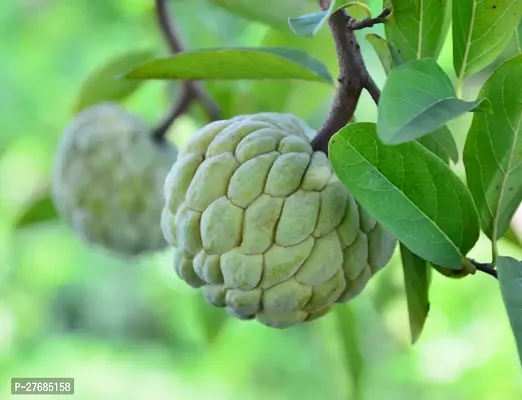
column 441, row 143
column 410, row 191
column 481, row 31
column 349, row 337
column 103, row 83
column 396, row 57
column 417, row 281
column 418, row 98
column 310, row 24
column 417, row 28
column 270, row 12
column 381, row 48
column 510, row 279
column 38, row 210
column 493, row 150
column 236, row 63
column 429, row 143
column 388, row 55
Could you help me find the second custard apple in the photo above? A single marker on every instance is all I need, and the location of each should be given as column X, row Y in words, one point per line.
column 263, row 226
column 107, row 180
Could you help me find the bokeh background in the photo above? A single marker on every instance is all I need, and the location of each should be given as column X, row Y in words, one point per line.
column 130, row 329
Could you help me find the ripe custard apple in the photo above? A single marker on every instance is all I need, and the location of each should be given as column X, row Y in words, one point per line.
column 107, row 180
column 262, row 225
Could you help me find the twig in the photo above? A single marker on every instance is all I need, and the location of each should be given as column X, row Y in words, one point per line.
column 191, row 90
column 373, row 89
column 168, row 27
column 182, row 104
column 486, row 268
column 353, row 75
column 369, row 22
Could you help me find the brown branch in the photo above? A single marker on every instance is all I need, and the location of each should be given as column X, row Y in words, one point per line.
column 486, row 268
column 353, row 75
column 373, row 89
column 369, row 22
column 211, row 108
column 191, row 90
column 168, row 27
column 182, row 104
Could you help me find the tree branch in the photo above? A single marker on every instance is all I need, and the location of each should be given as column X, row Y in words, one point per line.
column 486, row 268
column 191, row 90
column 353, row 75
column 182, row 104
column 369, row 22
column 168, row 27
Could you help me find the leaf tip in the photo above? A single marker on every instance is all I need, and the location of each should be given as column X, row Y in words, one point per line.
column 416, row 331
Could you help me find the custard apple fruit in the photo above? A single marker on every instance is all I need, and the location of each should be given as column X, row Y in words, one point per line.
column 263, row 226
column 107, row 180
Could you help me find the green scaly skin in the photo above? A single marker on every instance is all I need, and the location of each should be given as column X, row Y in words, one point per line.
column 262, row 225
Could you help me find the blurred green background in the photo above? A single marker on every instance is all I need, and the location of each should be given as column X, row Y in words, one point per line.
column 131, row 329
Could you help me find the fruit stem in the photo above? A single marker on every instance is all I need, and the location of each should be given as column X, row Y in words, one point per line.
column 353, row 75
column 191, row 90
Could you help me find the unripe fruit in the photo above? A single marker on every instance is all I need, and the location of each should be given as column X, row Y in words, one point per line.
column 263, row 226
column 107, row 180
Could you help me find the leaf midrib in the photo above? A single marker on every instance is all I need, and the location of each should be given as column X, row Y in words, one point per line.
column 468, row 41
column 406, row 197
column 421, row 14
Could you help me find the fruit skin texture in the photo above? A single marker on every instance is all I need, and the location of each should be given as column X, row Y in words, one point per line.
column 262, row 225
column 107, row 180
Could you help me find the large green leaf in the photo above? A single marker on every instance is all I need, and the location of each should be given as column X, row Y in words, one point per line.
column 432, row 145
column 493, row 150
column 235, row 63
column 418, row 98
column 104, row 85
column 417, row 28
column 271, row 12
column 39, row 209
column 481, row 30
column 510, row 279
column 441, row 142
column 407, row 188
column 416, row 281
column 310, row 24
